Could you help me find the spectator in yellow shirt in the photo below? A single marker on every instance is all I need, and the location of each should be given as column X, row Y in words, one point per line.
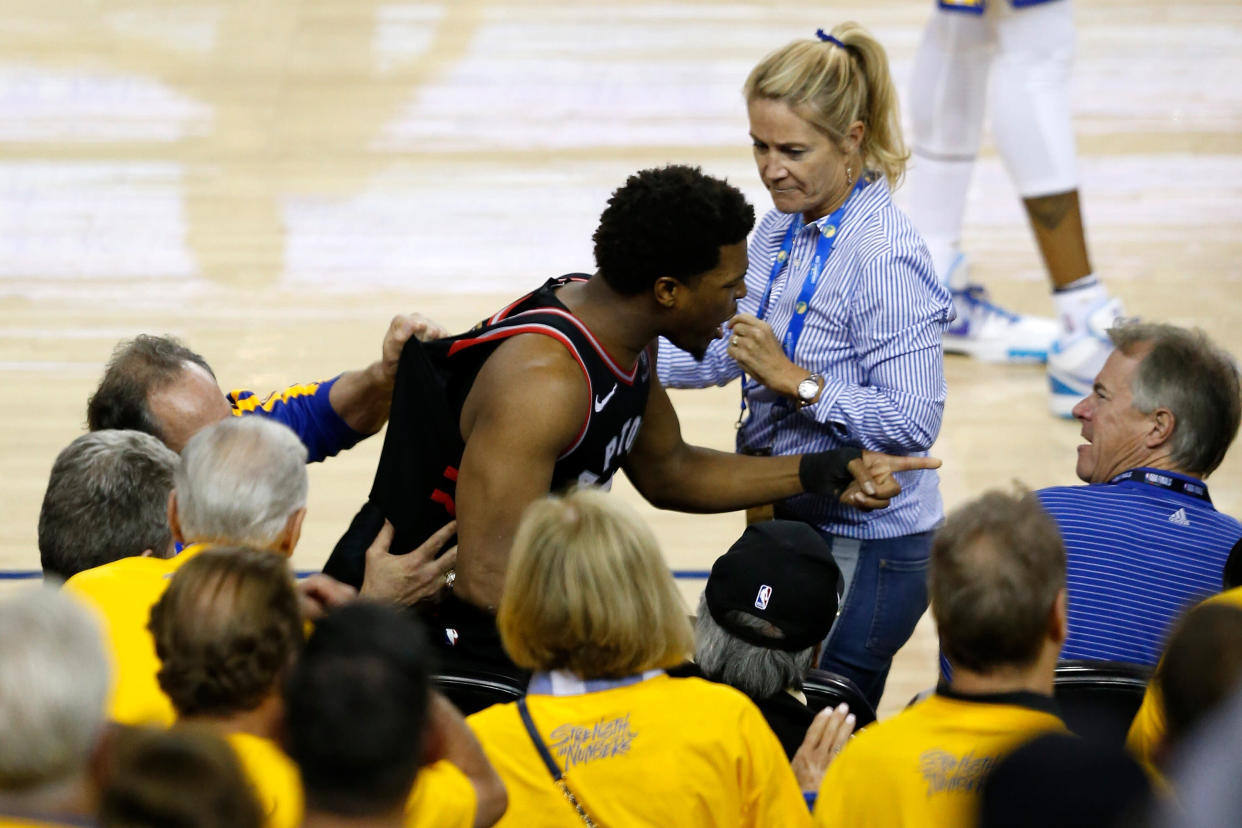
column 241, row 481
column 106, row 499
column 53, row 687
column 227, row 631
column 588, row 603
column 362, row 723
column 997, row 585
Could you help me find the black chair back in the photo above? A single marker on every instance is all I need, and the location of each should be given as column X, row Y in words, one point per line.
column 1098, row 699
column 475, row 690
column 824, row 689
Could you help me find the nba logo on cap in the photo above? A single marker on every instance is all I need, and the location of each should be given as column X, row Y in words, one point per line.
column 761, row 600
column 451, row 636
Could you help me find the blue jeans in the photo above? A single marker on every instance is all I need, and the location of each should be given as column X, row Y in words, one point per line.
column 885, row 596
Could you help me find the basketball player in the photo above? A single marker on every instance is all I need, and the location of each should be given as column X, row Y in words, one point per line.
column 559, row 389
column 1020, row 50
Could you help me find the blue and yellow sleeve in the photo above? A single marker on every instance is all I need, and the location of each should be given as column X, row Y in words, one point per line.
column 307, row 410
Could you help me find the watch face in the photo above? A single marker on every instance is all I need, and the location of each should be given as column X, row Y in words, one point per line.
column 807, row 389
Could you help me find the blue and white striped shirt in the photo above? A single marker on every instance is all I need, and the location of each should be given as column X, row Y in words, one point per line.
column 873, row 331
column 1138, row 555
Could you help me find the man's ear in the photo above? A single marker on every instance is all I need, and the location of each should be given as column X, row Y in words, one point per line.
column 667, row 291
column 288, row 539
column 1058, row 617
column 174, row 520
column 1162, row 424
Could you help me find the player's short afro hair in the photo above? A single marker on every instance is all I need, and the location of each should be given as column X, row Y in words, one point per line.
column 670, row 221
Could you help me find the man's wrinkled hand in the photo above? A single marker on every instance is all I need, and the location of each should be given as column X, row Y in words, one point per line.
column 402, row 328
column 407, row 579
column 319, row 593
column 829, row 732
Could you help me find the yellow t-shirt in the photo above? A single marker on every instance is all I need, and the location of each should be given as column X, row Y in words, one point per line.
column 1148, row 730
column 274, row 777
column 664, row 751
column 442, row 796
column 122, row 594
column 48, row 822
column 925, row 766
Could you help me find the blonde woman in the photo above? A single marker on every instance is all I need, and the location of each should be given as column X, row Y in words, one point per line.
column 590, row 606
column 838, row 340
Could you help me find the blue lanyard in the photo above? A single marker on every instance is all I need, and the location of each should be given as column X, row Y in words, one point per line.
column 823, row 248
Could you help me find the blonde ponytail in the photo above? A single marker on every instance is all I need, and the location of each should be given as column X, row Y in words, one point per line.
column 834, row 81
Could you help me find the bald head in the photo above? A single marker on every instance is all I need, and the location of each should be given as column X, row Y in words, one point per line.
column 156, row 385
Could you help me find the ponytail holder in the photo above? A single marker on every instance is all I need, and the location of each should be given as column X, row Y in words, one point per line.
column 827, row 38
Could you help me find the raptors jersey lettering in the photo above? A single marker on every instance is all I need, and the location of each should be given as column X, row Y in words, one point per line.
column 416, row 481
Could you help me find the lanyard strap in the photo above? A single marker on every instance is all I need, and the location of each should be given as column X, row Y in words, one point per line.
column 823, row 248
column 550, row 763
column 1165, row 480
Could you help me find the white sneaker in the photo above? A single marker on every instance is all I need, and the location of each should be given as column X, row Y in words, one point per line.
column 1076, row 358
column 989, row 332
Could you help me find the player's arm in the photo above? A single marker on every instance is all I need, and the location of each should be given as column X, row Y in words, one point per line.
column 362, row 398
column 675, row 475
column 526, row 405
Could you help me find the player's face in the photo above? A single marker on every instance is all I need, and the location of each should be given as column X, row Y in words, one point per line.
column 1115, row 430
column 801, row 166
column 189, row 403
column 706, row 302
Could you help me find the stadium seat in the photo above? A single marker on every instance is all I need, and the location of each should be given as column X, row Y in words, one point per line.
column 475, row 690
column 824, row 689
column 1098, row 699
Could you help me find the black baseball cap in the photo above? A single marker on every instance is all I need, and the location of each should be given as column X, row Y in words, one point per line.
column 780, row 571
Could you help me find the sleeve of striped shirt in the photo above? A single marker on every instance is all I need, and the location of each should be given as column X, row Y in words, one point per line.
column 307, row 410
column 898, row 317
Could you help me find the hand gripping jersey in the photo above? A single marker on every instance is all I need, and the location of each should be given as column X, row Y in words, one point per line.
column 416, row 481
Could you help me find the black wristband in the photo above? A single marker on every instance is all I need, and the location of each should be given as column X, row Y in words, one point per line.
column 827, row 472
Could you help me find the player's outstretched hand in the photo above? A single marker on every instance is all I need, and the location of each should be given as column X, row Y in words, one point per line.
column 829, row 731
column 406, row 579
column 874, row 485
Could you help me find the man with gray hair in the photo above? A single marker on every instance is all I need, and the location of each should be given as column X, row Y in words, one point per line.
column 1144, row 541
column 107, row 498
column 767, row 607
column 997, row 584
column 53, row 693
column 241, row 481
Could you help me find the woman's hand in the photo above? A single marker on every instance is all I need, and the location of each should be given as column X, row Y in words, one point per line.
column 753, row 345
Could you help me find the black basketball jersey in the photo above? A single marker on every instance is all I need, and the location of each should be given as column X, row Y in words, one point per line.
column 416, row 481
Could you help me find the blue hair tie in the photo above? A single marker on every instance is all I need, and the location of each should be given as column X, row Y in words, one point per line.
column 827, row 38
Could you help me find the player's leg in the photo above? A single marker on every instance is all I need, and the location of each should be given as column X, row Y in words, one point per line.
column 1030, row 100
column 947, row 102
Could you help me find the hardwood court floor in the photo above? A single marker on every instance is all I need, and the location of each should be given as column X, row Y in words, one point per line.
column 273, row 180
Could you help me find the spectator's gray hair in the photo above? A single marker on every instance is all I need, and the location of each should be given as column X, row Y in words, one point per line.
column 1188, row 374
column 758, row 672
column 53, row 689
column 107, row 498
column 239, row 481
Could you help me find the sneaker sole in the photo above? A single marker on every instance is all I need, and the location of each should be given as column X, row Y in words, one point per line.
column 993, row 352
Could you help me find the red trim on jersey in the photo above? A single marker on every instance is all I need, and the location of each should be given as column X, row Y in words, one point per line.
column 503, row 313
column 625, row 376
column 450, row 473
column 545, row 330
